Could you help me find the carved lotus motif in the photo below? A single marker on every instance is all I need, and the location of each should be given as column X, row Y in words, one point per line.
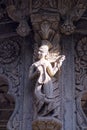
column 45, row 30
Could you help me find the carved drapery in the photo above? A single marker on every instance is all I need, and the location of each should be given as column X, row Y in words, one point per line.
column 81, row 83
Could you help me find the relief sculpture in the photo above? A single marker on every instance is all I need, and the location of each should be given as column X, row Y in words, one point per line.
column 47, row 64
column 43, row 71
column 10, row 67
column 44, row 74
column 81, row 83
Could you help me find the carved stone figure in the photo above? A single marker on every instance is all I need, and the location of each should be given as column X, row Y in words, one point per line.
column 43, row 71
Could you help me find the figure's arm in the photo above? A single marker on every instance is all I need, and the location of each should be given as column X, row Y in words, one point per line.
column 52, row 70
column 33, row 73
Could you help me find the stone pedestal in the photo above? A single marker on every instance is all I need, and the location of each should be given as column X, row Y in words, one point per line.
column 46, row 124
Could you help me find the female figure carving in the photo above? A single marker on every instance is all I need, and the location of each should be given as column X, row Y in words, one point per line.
column 43, row 71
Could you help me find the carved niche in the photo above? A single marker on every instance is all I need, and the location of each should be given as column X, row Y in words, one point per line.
column 81, row 83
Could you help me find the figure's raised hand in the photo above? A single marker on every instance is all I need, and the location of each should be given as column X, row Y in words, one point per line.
column 61, row 61
column 63, row 58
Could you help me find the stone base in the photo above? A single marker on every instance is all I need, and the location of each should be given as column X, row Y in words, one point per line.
column 46, row 123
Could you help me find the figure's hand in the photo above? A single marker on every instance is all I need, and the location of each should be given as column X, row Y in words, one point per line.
column 61, row 61
column 63, row 58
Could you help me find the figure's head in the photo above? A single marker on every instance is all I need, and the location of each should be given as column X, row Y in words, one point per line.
column 43, row 49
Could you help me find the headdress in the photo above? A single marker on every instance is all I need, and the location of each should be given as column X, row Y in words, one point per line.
column 45, row 46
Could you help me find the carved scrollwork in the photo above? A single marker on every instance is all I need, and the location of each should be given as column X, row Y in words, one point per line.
column 69, row 11
column 10, row 58
column 7, row 103
column 13, row 122
column 81, row 81
column 75, row 11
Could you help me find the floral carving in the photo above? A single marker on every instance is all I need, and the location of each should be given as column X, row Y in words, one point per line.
column 81, row 81
column 75, row 10
column 9, row 51
column 10, row 61
column 45, row 30
column 69, row 11
column 6, row 102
